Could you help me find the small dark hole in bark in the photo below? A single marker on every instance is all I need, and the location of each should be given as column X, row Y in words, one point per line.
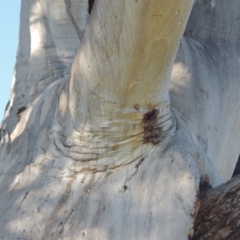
column 137, row 106
column 125, row 188
column 20, row 110
column 90, row 6
column 204, row 184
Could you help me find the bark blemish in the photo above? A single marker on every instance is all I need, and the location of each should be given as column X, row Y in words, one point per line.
column 152, row 131
column 20, row 110
column 24, row 197
column 139, row 163
column 115, row 147
column 204, row 184
column 137, row 106
column 135, row 172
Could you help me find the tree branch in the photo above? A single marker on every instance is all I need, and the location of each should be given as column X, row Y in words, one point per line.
column 219, row 215
column 122, row 71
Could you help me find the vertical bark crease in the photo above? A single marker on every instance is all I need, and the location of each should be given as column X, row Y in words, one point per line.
column 52, row 56
column 90, row 5
column 69, row 12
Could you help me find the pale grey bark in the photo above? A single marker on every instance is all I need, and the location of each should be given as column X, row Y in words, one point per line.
column 90, row 146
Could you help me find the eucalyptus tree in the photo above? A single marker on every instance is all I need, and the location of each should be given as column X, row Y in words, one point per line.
column 119, row 115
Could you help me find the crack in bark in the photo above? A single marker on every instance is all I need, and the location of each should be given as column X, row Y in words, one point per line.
column 64, row 222
column 55, row 228
column 69, row 12
column 25, row 196
column 135, row 172
column 90, row 6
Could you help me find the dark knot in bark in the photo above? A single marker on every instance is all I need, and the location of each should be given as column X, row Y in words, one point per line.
column 152, row 131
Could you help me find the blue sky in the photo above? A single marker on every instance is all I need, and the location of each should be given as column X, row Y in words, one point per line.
column 9, row 28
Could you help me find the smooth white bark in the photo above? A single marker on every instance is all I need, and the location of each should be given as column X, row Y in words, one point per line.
column 206, row 72
column 80, row 157
column 121, row 72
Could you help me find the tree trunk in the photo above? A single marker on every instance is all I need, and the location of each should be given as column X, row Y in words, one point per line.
column 116, row 121
column 219, row 215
